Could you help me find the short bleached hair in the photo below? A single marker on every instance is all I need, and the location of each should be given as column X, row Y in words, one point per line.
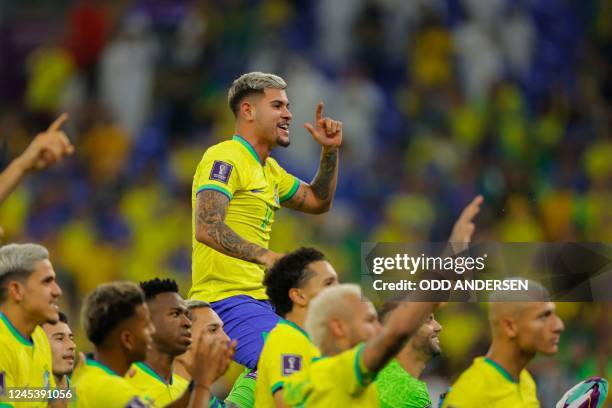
column 18, row 262
column 249, row 84
column 331, row 303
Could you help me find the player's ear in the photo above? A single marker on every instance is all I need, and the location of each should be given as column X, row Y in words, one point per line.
column 15, row 290
column 247, row 110
column 509, row 327
column 297, row 297
column 337, row 328
column 126, row 339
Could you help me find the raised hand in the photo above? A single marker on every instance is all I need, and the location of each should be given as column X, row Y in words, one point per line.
column 212, row 358
column 47, row 148
column 464, row 228
column 326, row 131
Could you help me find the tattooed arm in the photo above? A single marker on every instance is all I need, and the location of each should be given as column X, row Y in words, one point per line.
column 316, row 197
column 211, row 230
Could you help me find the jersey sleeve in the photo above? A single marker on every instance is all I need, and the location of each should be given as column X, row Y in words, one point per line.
column 351, row 368
column 282, row 360
column 288, row 184
column 345, row 372
column 219, row 171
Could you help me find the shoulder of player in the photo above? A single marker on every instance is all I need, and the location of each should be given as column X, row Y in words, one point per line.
column 229, row 149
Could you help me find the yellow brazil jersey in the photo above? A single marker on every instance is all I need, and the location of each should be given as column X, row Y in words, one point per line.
column 486, row 384
column 97, row 386
column 23, row 363
column 287, row 350
column 255, row 192
column 154, row 388
column 339, row 381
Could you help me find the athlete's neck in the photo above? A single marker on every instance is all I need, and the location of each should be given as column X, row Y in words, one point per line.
column 297, row 315
column 261, row 146
column 509, row 357
column 412, row 361
column 113, row 359
column 19, row 319
column 160, row 362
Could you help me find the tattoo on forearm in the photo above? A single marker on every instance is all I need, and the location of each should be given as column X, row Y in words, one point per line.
column 211, row 207
column 299, row 201
column 322, row 183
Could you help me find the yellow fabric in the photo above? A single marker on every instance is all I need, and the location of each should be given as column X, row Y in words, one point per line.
column 485, row 385
column 255, row 193
column 287, row 349
column 24, row 363
column 97, row 386
column 339, row 381
column 157, row 392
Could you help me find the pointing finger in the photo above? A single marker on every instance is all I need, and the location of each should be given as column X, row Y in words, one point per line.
column 472, row 209
column 57, row 124
column 319, row 112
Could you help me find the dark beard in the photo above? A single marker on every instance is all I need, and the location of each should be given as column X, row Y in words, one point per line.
column 282, row 143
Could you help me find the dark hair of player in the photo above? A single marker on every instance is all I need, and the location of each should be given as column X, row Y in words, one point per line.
column 154, row 287
column 107, row 306
column 290, row 271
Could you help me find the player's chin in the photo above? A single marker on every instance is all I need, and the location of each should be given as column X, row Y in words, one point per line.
column 283, row 141
column 550, row 350
column 52, row 316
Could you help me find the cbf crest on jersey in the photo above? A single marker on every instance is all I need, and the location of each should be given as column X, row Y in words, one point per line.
column 221, row 171
column 292, row 363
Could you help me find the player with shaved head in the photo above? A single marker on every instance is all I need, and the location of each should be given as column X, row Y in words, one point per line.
column 522, row 324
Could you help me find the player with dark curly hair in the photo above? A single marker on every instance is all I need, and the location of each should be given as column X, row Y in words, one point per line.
column 291, row 284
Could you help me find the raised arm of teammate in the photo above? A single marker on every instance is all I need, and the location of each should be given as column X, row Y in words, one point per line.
column 47, row 148
column 316, row 197
column 410, row 315
column 211, row 230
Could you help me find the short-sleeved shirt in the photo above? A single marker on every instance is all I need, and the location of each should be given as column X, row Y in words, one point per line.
column 24, row 363
column 287, row 350
column 97, row 386
column 398, row 389
column 255, row 191
column 339, row 381
column 486, row 384
column 157, row 391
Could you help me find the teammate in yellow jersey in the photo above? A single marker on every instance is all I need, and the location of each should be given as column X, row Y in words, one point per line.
column 237, row 189
column 291, row 284
column 28, row 299
column 154, row 377
column 520, row 329
column 345, row 327
column 117, row 321
column 63, row 350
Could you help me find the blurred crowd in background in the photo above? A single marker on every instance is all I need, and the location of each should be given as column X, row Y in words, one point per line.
column 441, row 100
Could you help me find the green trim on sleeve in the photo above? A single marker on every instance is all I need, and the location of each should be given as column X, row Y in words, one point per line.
column 277, row 386
column 290, row 193
column 6, row 405
column 215, row 188
column 358, row 373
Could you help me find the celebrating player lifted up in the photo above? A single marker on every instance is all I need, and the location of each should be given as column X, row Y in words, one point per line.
column 236, row 190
